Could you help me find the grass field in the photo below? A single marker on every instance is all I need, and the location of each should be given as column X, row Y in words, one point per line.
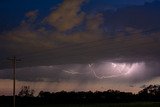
column 148, row 104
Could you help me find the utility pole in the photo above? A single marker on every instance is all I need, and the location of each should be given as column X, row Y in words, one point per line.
column 14, row 60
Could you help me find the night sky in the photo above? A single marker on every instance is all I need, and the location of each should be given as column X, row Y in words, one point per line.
column 80, row 45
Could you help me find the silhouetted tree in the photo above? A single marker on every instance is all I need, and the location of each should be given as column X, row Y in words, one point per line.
column 26, row 92
column 44, row 94
column 150, row 90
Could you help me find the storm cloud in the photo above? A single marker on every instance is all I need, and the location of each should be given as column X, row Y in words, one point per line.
column 60, row 46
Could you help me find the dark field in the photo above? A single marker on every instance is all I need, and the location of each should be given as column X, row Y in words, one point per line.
column 139, row 104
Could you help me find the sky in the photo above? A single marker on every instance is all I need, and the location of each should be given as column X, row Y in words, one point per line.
column 80, row 45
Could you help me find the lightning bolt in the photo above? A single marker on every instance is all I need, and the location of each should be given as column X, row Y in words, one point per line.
column 106, row 77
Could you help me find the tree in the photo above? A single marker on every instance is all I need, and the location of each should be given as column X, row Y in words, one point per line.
column 43, row 94
column 151, row 90
column 26, row 92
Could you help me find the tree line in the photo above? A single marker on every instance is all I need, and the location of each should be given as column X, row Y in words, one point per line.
column 26, row 96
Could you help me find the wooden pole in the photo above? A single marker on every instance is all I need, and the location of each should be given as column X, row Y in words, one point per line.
column 14, row 61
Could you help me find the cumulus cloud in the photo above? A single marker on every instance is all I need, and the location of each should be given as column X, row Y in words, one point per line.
column 67, row 16
column 25, row 39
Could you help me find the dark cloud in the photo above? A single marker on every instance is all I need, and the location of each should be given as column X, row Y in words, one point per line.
column 92, row 50
column 62, row 73
column 135, row 73
column 50, row 43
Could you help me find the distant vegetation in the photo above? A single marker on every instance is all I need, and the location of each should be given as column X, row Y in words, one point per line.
column 25, row 97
